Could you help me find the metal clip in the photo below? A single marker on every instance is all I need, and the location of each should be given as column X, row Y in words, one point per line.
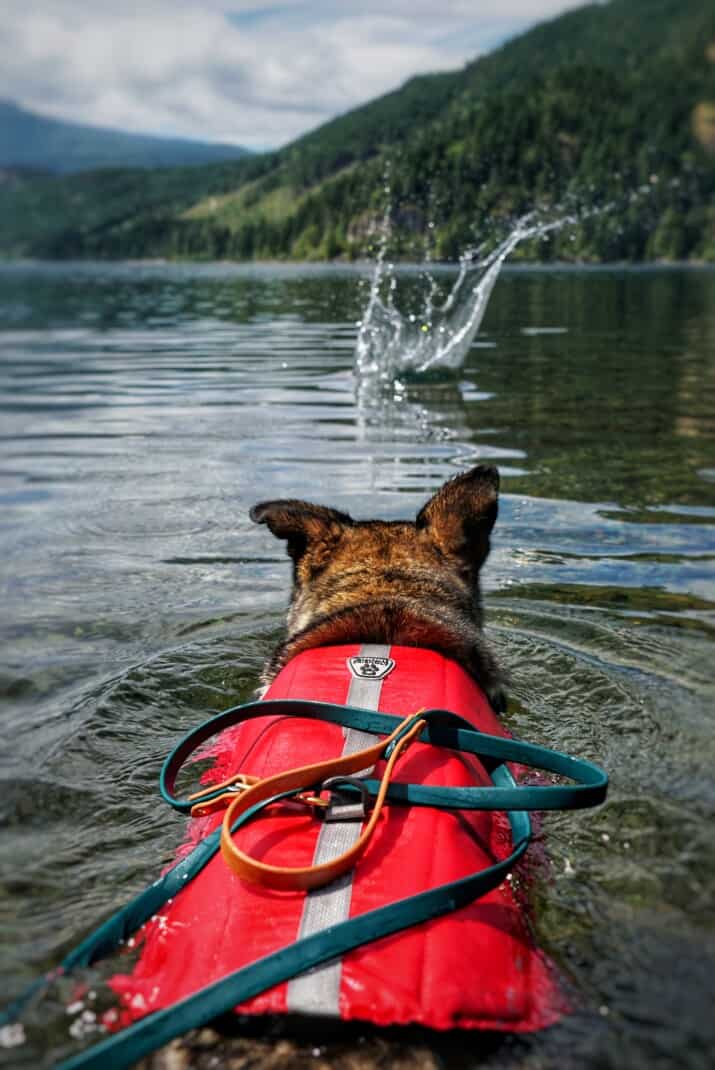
column 343, row 806
column 241, row 782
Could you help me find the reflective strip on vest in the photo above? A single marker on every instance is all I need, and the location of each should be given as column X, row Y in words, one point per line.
column 318, row 990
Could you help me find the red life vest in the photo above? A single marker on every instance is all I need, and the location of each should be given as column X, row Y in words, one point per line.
column 475, row 968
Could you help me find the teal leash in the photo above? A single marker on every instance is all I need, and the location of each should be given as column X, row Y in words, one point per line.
column 443, row 729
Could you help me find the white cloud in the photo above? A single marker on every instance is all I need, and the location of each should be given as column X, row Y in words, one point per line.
column 255, row 73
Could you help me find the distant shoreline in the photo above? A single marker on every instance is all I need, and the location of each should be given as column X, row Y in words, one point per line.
column 352, row 266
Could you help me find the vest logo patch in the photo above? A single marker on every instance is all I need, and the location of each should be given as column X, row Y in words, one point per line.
column 365, row 667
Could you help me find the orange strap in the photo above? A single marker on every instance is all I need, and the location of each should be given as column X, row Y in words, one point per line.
column 253, row 792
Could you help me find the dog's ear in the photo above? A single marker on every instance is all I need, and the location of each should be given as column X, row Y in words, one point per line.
column 460, row 516
column 300, row 523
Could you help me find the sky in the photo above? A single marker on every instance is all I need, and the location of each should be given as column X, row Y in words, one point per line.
column 251, row 73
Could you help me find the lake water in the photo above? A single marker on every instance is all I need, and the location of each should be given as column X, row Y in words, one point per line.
column 144, row 409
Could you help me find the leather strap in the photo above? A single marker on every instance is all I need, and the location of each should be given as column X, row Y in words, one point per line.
column 285, row 785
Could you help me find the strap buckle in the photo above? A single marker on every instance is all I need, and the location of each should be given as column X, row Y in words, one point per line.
column 343, row 805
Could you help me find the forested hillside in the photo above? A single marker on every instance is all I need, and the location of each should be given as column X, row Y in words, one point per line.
column 608, row 105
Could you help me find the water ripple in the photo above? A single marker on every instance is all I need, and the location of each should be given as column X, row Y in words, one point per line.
column 145, row 408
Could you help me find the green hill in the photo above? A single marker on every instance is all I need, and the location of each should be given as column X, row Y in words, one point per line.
column 609, row 104
column 30, row 142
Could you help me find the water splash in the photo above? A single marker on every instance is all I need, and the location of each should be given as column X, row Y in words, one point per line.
column 391, row 343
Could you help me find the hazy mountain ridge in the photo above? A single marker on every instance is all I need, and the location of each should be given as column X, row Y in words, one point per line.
column 609, row 103
column 31, row 141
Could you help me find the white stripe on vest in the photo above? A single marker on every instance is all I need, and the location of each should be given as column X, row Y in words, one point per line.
column 318, row 990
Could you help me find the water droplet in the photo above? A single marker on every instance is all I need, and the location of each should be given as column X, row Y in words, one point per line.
column 11, row 1036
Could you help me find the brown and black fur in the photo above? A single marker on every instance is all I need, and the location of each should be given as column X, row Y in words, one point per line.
column 402, row 582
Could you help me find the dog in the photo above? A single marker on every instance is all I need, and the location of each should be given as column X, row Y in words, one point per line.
column 409, row 583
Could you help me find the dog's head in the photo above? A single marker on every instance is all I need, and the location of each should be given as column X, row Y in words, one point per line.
column 345, row 567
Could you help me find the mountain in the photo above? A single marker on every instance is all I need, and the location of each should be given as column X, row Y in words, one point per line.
column 608, row 105
column 30, row 142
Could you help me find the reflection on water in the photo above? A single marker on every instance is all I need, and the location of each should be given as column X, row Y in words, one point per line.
column 145, row 408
